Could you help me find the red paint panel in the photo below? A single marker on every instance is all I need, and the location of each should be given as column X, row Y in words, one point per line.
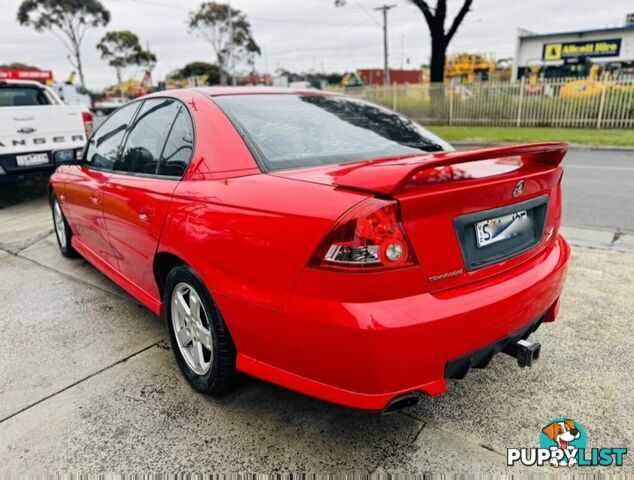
column 358, row 338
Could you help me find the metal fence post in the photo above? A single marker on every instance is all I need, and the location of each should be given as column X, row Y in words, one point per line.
column 519, row 107
column 602, row 102
column 394, row 96
column 450, row 102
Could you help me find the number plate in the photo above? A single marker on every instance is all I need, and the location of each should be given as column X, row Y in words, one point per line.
column 501, row 228
column 31, row 159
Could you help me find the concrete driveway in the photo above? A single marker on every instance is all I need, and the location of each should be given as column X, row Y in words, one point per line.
column 87, row 383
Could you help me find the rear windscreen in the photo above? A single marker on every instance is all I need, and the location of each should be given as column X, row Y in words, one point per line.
column 11, row 96
column 288, row 131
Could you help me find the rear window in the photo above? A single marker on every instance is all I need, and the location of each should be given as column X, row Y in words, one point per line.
column 289, row 131
column 11, row 96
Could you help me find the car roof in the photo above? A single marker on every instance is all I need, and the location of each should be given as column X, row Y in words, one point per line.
column 218, row 91
column 32, row 83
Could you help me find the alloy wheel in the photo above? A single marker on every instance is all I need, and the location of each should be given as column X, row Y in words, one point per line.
column 60, row 227
column 191, row 329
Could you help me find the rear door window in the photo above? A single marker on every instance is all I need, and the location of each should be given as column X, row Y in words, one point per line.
column 104, row 145
column 147, row 136
column 179, row 146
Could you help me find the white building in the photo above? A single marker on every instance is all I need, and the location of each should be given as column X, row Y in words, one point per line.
column 574, row 53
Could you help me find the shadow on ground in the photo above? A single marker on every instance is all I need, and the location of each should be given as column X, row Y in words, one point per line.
column 31, row 188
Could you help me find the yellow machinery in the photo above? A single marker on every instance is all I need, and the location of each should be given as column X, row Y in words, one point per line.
column 582, row 88
column 470, row 67
column 128, row 89
column 351, row 79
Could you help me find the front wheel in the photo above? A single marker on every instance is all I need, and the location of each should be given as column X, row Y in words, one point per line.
column 62, row 229
column 199, row 337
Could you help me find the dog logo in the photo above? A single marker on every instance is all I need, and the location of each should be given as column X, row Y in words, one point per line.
column 566, row 436
column 519, row 188
column 562, row 442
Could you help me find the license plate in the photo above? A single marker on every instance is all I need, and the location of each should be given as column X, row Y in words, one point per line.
column 501, row 228
column 31, row 159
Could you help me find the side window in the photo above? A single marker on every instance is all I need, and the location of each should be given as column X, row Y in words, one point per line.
column 179, row 146
column 147, row 136
column 104, row 144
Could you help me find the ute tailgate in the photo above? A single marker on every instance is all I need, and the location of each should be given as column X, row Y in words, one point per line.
column 40, row 128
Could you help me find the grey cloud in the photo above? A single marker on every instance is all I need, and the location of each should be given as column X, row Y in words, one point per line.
column 300, row 34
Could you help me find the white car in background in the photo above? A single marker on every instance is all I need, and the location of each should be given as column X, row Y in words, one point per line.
column 38, row 131
column 109, row 105
column 73, row 94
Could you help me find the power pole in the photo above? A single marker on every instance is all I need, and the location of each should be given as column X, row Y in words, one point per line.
column 386, row 66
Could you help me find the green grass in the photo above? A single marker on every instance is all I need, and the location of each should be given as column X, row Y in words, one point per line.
column 620, row 138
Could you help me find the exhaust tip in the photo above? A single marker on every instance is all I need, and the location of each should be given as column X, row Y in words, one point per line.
column 402, row 402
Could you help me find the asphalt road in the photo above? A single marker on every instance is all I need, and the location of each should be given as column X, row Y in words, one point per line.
column 598, row 189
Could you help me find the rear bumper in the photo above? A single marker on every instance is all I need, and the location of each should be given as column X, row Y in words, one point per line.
column 13, row 172
column 365, row 354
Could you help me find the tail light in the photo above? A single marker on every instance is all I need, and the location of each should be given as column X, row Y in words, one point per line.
column 88, row 125
column 369, row 236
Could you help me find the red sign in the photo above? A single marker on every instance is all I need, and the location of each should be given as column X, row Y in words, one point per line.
column 38, row 75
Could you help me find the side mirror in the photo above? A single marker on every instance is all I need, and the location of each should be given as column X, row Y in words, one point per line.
column 65, row 157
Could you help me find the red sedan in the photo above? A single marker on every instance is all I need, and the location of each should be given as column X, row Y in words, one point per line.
column 317, row 241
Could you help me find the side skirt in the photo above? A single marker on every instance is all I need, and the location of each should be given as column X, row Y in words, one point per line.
column 109, row 271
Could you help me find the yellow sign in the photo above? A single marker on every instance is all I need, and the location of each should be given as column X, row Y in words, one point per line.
column 552, row 51
column 593, row 48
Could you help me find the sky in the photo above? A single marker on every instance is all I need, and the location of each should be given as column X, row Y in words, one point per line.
column 305, row 35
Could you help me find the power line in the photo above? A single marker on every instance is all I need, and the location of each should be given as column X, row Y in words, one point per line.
column 368, row 13
column 330, row 37
column 254, row 17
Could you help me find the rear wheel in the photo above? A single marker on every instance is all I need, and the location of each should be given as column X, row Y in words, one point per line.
column 62, row 229
column 199, row 337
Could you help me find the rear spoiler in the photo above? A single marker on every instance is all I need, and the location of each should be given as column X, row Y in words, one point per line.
column 390, row 177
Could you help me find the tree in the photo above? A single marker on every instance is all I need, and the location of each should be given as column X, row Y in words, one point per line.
column 210, row 72
column 18, row 66
column 69, row 20
column 147, row 61
column 122, row 49
column 229, row 33
column 440, row 38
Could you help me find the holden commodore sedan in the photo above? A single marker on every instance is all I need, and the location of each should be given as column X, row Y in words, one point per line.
column 317, row 241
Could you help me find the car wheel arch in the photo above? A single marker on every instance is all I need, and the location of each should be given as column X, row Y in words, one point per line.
column 164, row 262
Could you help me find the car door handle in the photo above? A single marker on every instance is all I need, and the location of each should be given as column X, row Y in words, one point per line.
column 144, row 217
column 95, row 199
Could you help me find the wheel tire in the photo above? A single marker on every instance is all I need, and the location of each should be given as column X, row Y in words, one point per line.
column 63, row 232
column 222, row 371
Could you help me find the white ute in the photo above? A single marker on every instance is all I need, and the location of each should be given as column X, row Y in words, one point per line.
column 37, row 131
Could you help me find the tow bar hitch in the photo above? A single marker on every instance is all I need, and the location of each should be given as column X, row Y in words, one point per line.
column 527, row 353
